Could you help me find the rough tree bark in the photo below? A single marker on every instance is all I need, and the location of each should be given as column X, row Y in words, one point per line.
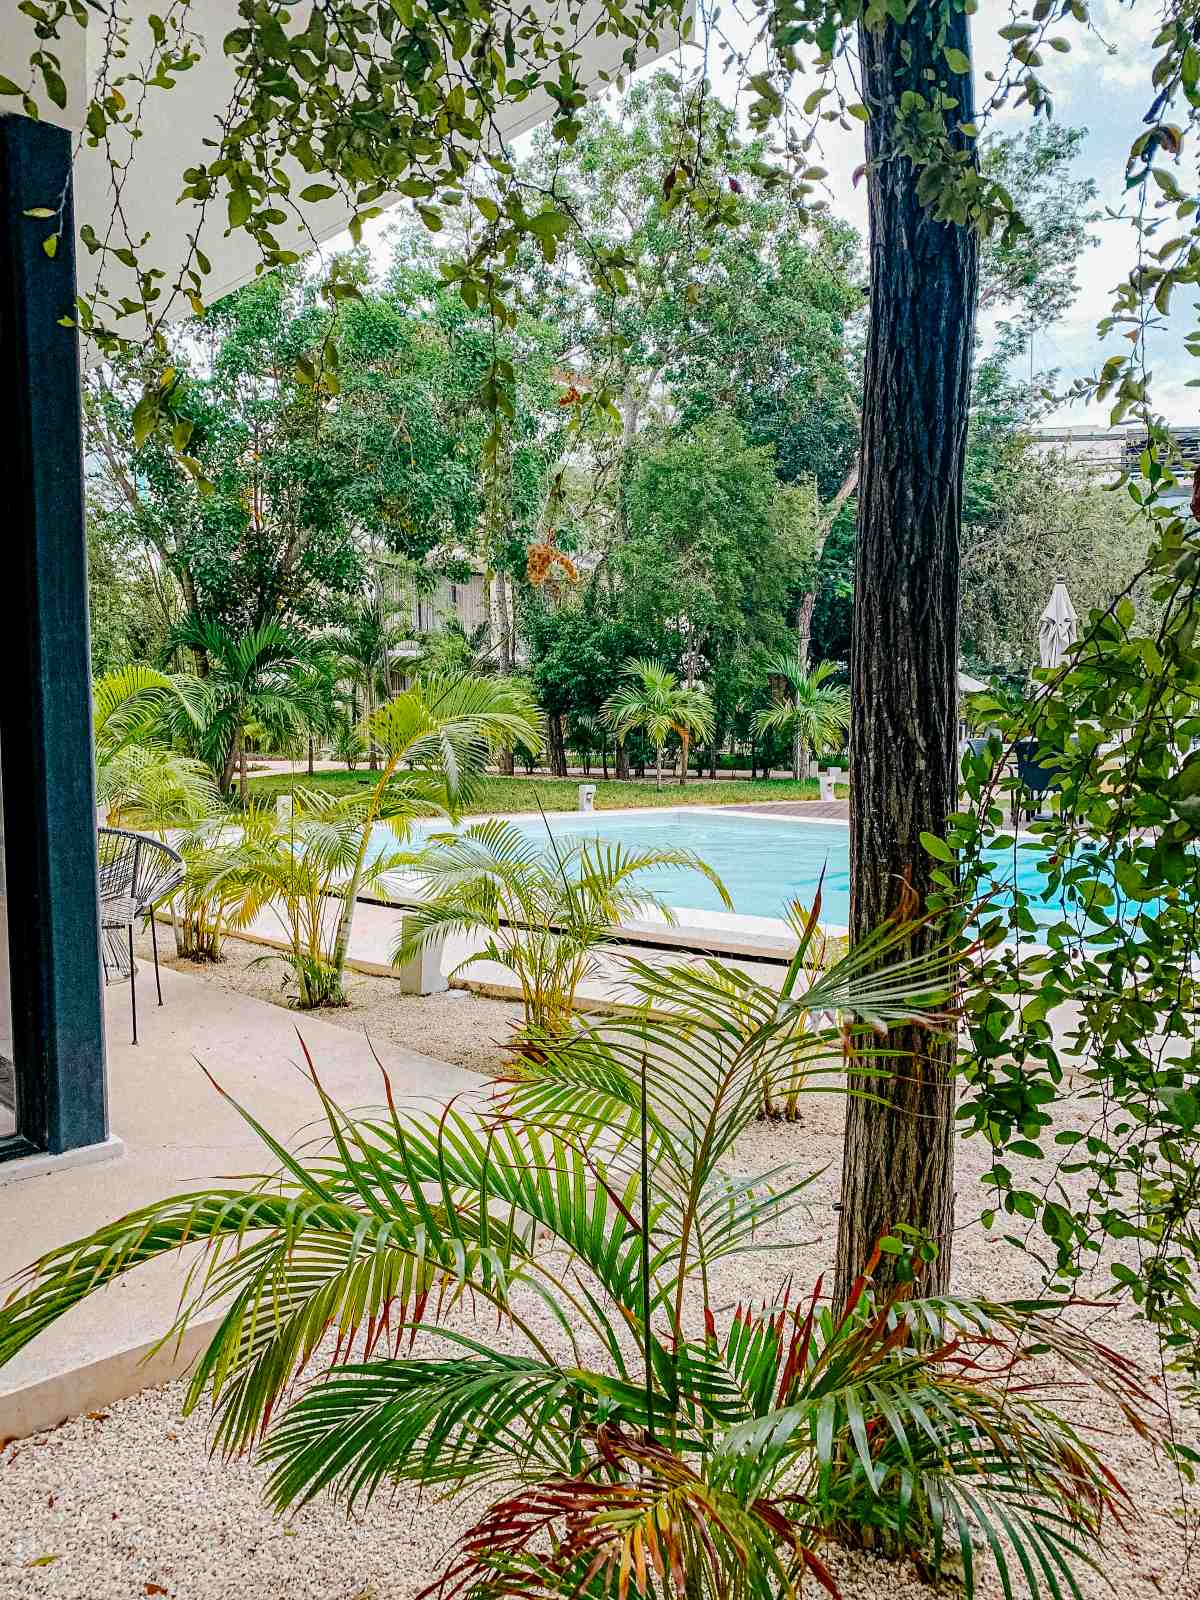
column 898, row 1157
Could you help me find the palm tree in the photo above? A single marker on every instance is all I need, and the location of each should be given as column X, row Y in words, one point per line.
column 269, row 676
column 362, row 649
column 542, row 911
column 626, row 1426
column 812, row 712
column 655, row 701
column 141, row 781
column 444, row 730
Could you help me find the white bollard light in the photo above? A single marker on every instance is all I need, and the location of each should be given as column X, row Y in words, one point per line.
column 826, row 781
column 422, row 973
column 587, row 797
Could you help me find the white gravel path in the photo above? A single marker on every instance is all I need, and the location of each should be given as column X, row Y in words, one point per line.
column 129, row 1504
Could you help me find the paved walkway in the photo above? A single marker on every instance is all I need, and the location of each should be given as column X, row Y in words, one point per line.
column 179, row 1134
column 826, row 810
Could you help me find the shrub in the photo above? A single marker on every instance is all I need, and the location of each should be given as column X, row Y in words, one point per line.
column 646, row 1442
column 543, row 912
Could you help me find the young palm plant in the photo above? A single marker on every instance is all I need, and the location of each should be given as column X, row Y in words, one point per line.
column 294, row 868
column 268, row 676
column 212, row 901
column 812, row 713
column 544, row 912
column 141, row 782
column 525, row 1297
column 655, row 701
column 310, row 868
column 443, row 730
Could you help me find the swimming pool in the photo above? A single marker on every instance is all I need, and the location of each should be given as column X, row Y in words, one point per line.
column 764, row 862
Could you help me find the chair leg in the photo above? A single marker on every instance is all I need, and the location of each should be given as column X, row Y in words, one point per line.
column 132, row 984
column 154, row 942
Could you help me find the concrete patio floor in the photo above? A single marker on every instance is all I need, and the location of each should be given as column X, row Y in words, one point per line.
column 178, row 1134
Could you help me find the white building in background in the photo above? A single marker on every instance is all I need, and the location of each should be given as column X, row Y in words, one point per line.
column 440, row 603
column 1107, row 452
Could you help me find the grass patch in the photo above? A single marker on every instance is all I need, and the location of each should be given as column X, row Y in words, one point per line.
column 500, row 794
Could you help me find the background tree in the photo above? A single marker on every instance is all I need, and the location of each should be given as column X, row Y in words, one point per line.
column 1050, row 518
column 267, row 677
column 714, row 541
column 655, row 702
column 361, row 648
column 256, row 531
column 811, row 712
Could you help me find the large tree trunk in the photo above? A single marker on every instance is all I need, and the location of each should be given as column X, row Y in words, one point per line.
column 557, row 745
column 898, row 1159
column 621, row 761
column 684, row 757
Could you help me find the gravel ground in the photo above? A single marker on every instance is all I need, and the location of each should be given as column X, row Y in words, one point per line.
column 128, row 1503
column 459, row 1026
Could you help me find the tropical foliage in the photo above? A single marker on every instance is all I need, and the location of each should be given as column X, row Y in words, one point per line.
column 265, row 683
column 543, row 911
column 654, row 702
column 309, row 866
column 812, row 712
column 642, row 1435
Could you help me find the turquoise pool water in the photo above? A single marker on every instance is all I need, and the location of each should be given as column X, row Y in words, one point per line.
column 764, row 862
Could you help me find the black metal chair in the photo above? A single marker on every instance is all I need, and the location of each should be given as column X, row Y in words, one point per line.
column 136, row 872
column 1035, row 781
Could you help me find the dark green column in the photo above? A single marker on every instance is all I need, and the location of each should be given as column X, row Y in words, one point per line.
column 45, row 676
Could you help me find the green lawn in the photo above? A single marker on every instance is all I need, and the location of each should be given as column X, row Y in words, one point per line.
column 500, row 795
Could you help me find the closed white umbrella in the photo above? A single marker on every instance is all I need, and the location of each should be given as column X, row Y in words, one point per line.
column 1058, row 628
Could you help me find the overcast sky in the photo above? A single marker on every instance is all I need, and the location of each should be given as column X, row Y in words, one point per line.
column 1102, row 90
column 1107, row 94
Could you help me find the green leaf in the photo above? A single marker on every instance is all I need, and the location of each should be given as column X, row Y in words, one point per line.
column 318, row 191
column 936, row 847
column 958, row 61
column 240, row 206
column 40, row 211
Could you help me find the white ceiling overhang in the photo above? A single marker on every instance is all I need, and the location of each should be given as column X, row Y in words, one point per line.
column 176, row 123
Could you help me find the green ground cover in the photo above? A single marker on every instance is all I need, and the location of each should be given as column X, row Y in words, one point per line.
column 501, row 794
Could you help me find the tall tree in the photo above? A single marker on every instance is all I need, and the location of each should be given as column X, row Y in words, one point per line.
column 811, row 711
column 654, row 702
column 256, row 531
column 898, row 1161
